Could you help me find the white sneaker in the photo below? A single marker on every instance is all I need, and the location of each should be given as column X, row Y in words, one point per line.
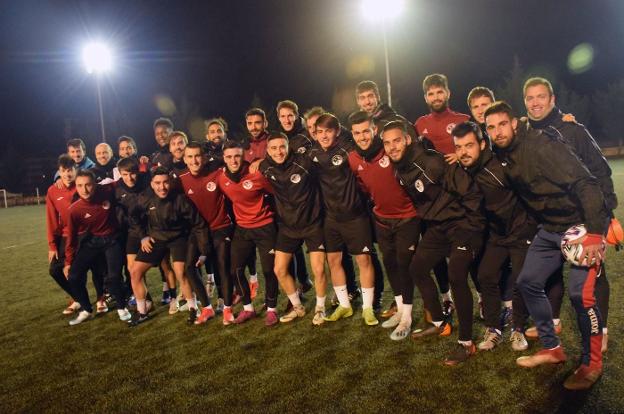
column 518, row 341
column 319, row 316
column 393, row 321
column 400, row 332
column 296, row 312
column 184, row 307
column 72, row 308
column 82, row 316
column 124, row 315
column 173, row 306
column 491, row 339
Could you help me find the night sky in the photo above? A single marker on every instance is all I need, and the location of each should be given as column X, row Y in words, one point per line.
column 211, row 58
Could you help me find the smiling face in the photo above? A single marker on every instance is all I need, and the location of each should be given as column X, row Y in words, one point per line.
column 363, row 134
column 538, row 101
column 126, row 149
column 85, row 187
column 478, row 106
column 161, row 134
column 277, row 149
column 395, row 143
column 76, row 153
column 326, row 136
column 161, row 184
column 501, row 129
column 367, row 101
column 176, row 147
column 233, row 158
column 129, row 178
column 194, row 160
column 256, row 124
column 68, row 175
column 215, row 133
column 287, row 118
column 310, row 125
column 103, row 153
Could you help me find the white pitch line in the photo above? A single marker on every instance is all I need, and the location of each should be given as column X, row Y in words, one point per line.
column 17, row 245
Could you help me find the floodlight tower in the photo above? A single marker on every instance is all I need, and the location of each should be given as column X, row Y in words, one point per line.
column 384, row 11
column 98, row 60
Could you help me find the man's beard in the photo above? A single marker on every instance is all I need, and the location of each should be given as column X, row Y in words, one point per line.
column 442, row 108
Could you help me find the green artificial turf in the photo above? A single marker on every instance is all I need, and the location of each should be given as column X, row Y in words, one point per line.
column 166, row 366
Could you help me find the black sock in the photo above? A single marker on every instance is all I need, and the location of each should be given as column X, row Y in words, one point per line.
column 172, row 293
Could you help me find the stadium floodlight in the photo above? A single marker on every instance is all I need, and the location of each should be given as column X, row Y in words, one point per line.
column 383, row 11
column 98, row 59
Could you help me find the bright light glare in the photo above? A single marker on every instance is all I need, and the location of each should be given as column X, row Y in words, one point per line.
column 97, row 58
column 382, row 10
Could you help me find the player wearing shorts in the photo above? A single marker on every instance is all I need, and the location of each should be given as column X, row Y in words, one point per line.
column 165, row 220
column 346, row 219
column 396, row 221
column 298, row 205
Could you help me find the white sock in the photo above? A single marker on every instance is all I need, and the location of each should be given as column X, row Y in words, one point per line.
column 480, row 300
column 320, row 302
column 507, row 304
column 605, row 330
column 447, row 296
column 165, row 287
column 271, row 309
column 120, row 312
column 465, row 343
column 248, row 308
column 367, row 297
column 191, row 303
column 294, row 299
column 399, row 301
column 406, row 314
column 556, row 321
column 342, row 295
column 141, row 306
column 253, row 278
column 437, row 324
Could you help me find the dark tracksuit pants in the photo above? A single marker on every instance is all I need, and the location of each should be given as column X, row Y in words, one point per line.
column 397, row 239
column 88, row 252
column 543, row 259
column 437, row 243
column 193, row 272
column 98, row 269
column 493, row 261
column 244, row 245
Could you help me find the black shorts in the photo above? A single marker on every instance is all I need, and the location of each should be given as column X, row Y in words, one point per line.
column 160, row 249
column 133, row 245
column 355, row 234
column 289, row 239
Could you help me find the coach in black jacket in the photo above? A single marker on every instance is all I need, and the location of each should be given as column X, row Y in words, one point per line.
column 559, row 191
column 449, row 203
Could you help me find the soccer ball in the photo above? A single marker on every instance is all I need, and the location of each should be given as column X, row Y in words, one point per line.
column 574, row 252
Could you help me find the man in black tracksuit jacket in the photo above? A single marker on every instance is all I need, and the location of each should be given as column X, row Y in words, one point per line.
column 579, row 140
column 346, row 217
column 511, row 230
column 165, row 220
column 560, row 193
column 298, row 206
column 449, row 202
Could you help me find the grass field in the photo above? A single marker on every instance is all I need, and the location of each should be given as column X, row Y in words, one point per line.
column 166, row 366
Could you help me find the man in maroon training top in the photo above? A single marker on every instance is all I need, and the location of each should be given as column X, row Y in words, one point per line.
column 93, row 218
column 397, row 225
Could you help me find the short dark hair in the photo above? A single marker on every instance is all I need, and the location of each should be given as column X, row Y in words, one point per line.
column 435, row 79
column 66, row 162
column 160, row 171
column 314, row 111
column 128, row 164
column 359, row 117
column 163, row 121
column 129, row 140
column 499, row 107
column 465, row 128
column 367, row 85
column 479, row 91
column 397, row 124
column 86, row 173
column 255, row 111
column 277, row 135
column 328, row 120
column 195, row 145
column 537, row 81
column 232, row 144
column 287, row 104
column 220, row 121
column 75, row 143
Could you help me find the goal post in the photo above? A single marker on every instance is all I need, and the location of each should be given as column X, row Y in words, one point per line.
column 4, row 197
